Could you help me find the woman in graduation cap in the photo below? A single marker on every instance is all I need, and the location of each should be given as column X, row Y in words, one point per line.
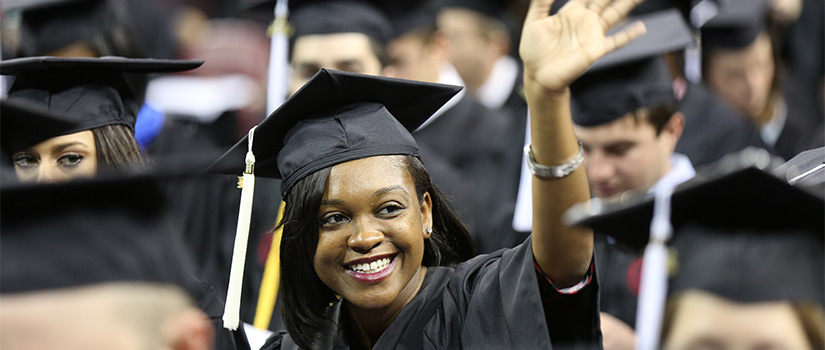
column 92, row 109
column 372, row 255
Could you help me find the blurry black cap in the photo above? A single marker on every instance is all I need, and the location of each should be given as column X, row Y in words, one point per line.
column 23, row 124
column 334, row 118
column 333, row 17
column 734, row 194
column 109, row 27
column 651, row 6
column 410, row 16
column 47, row 26
column 632, row 77
column 751, row 265
column 734, row 231
column 88, row 232
column 88, row 92
column 736, row 25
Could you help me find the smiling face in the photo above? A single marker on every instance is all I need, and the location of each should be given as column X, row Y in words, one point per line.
column 58, row 159
column 372, row 228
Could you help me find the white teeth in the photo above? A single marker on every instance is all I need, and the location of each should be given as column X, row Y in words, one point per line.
column 371, row 267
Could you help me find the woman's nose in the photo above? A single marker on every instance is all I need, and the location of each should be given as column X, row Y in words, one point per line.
column 48, row 174
column 365, row 239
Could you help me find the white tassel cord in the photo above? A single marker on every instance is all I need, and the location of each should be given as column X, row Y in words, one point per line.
column 278, row 53
column 231, row 312
column 653, row 289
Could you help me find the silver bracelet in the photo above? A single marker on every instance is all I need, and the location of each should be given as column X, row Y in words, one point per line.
column 554, row 171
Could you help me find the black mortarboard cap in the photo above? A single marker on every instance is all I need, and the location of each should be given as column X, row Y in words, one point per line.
column 89, row 92
column 632, row 77
column 336, row 117
column 734, row 230
column 731, row 195
column 332, row 17
column 47, row 26
column 23, row 124
column 736, row 25
column 650, row 6
column 113, row 27
column 410, row 16
column 751, row 265
column 88, row 232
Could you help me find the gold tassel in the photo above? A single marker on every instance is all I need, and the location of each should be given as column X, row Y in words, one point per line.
column 268, row 294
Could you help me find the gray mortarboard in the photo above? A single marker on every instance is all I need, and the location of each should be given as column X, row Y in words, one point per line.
column 632, row 77
column 332, row 17
column 805, row 169
column 39, row 124
column 336, row 117
column 88, row 92
column 735, row 194
column 88, row 232
column 736, row 25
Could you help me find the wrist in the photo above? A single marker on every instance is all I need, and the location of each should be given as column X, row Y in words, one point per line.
column 534, row 89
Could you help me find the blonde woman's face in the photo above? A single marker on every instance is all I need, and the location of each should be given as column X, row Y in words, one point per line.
column 58, row 159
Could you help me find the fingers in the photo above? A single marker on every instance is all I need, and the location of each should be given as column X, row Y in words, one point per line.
column 627, row 35
column 538, row 9
column 616, row 12
column 597, row 5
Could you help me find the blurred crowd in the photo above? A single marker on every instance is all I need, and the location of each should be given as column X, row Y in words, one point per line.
column 713, row 79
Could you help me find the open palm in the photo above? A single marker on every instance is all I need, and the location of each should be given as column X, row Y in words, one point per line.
column 558, row 49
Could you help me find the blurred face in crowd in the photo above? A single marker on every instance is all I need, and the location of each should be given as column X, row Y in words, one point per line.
column 416, row 56
column 372, row 228
column 109, row 316
column 704, row 321
column 475, row 43
column 744, row 77
column 58, row 159
column 627, row 153
column 351, row 52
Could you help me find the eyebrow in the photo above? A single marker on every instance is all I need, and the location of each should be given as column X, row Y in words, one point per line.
column 349, row 62
column 377, row 193
column 331, row 202
column 389, row 189
column 63, row 146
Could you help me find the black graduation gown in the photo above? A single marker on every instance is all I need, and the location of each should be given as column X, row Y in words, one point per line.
column 467, row 140
column 492, row 301
column 206, row 208
column 712, row 129
column 209, row 302
column 501, row 214
column 619, row 270
column 803, row 122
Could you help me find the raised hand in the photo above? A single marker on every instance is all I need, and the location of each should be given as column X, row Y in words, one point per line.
column 558, row 49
